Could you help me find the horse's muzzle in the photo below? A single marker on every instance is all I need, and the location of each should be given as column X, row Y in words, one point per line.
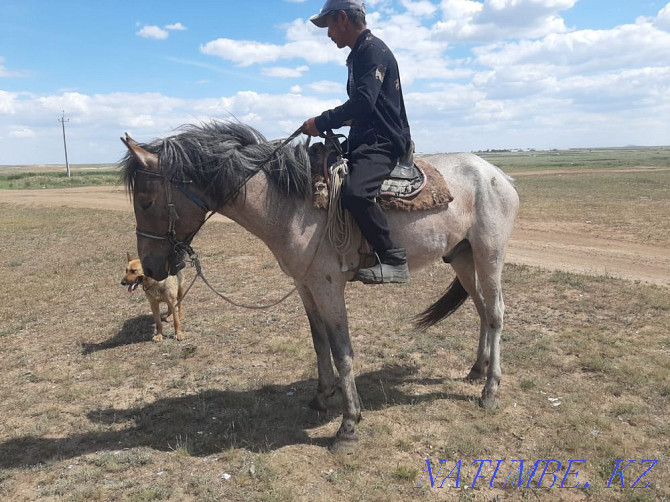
column 156, row 267
column 159, row 269
column 175, row 264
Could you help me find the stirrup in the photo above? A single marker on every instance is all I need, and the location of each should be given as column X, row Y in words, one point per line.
column 383, row 273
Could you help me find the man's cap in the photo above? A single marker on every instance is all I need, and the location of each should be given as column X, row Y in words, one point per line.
column 335, row 5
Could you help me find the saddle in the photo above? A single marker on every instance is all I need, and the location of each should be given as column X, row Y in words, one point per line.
column 406, row 180
column 412, row 185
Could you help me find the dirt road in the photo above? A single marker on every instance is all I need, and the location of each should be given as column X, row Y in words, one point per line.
column 571, row 248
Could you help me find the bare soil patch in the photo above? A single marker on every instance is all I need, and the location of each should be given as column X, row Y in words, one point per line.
column 101, row 197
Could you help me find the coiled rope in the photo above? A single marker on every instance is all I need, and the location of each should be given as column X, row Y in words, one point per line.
column 340, row 224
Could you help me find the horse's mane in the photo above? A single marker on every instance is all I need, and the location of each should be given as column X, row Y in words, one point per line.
column 221, row 156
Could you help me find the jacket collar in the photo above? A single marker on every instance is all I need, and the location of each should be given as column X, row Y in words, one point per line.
column 358, row 43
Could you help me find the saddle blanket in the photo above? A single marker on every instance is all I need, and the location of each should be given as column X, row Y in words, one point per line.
column 434, row 194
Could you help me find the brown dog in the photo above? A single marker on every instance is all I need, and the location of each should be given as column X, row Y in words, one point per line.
column 168, row 291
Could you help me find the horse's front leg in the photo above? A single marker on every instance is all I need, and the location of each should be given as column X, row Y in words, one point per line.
column 328, row 384
column 329, row 300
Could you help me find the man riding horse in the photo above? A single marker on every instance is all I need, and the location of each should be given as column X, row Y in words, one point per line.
column 379, row 132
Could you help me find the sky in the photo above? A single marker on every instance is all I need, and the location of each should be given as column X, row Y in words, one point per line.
column 476, row 74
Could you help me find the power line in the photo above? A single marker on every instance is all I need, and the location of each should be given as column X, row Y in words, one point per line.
column 62, row 121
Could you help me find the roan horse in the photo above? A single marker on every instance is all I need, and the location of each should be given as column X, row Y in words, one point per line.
column 229, row 168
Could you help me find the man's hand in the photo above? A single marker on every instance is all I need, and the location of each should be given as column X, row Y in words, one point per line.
column 309, row 128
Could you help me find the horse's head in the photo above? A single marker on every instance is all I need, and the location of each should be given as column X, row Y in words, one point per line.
column 322, row 156
column 168, row 212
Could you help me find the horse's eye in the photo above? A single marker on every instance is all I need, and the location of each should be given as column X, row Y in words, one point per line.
column 146, row 205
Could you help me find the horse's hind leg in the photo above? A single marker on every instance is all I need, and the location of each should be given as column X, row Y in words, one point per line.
column 327, row 385
column 464, row 266
column 488, row 266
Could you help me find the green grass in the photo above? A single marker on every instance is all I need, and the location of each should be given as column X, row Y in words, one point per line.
column 32, row 180
column 580, row 158
column 405, row 473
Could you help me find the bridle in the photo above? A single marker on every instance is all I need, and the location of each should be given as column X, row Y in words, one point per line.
column 179, row 248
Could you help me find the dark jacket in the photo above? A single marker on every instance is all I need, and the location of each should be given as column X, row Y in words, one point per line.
column 375, row 103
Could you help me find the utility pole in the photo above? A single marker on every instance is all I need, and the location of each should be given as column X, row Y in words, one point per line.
column 62, row 121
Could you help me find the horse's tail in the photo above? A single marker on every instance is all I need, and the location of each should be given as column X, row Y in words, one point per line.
column 454, row 297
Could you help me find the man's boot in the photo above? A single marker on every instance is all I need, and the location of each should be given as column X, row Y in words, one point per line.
column 392, row 268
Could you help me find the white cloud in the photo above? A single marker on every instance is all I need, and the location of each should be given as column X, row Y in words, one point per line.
column 101, row 118
column 5, row 73
column 304, row 41
column 7, row 103
column 243, row 52
column 283, row 72
column 73, row 102
column 419, row 47
column 662, row 21
column 469, row 20
column 521, row 91
column 248, row 52
column 421, row 8
column 154, row 32
column 175, row 27
column 328, row 87
column 145, row 121
column 271, row 107
column 21, row 132
column 626, row 46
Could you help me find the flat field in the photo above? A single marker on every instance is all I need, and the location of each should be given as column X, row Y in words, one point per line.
column 91, row 409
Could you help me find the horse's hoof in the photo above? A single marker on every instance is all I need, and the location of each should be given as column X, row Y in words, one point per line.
column 344, row 443
column 474, row 376
column 317, row 404
column 489, row 403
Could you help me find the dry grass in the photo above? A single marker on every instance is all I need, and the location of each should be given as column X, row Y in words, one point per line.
column 93, row 410
column 630, row 206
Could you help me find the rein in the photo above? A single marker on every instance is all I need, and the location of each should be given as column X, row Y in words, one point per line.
column 181, row 247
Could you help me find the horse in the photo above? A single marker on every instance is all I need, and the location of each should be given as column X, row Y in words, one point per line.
column 231, row 169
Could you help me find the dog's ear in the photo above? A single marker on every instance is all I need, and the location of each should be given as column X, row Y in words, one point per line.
column 148, row 160
column 129, row 257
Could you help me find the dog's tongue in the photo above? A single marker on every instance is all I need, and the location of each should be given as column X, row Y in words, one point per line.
column 132, row 287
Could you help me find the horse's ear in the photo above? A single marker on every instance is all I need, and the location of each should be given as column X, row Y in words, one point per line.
column 148, row 160
column 316, row 153
column 129, row 141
